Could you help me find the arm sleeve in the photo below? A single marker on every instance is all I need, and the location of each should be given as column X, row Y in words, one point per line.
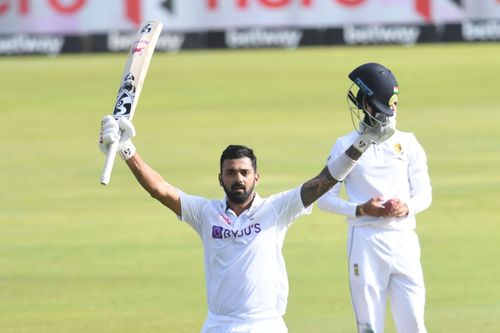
column 191, row 207
column 420, row 185
column 288, row 207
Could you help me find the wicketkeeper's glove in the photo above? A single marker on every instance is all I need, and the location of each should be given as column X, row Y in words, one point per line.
column 122, row 131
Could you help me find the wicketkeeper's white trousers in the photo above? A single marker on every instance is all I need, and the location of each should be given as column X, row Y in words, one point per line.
column 386, row 264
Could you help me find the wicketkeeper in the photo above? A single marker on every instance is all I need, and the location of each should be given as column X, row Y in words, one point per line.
column 386, row 189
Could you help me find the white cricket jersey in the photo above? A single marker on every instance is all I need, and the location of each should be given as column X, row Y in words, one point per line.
column 244, row 266
column 395, row 168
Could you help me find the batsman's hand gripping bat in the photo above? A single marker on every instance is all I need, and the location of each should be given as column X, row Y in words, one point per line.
column 133, row 77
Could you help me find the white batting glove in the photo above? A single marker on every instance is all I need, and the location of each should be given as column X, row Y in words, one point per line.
column 126, row 149
column 369, row 135
column 108, row 134
column 341, row 166
column 122, row 131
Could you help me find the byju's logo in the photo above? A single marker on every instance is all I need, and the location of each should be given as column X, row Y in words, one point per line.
column 222, row 233
column 217, row 231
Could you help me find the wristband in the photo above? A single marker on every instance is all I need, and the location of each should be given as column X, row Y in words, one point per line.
column 361, row 143
column 127, row 150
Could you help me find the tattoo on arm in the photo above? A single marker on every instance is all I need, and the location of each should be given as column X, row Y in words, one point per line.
column 316, row 187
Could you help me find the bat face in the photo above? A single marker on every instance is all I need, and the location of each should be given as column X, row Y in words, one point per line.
column 126, row 95
column 135, row 69
column 140, row 46
column 133, row 77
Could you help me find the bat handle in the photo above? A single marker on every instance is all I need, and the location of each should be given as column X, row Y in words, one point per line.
column 108, row 164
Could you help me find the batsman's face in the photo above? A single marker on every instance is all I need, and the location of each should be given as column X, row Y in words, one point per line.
column 238, row 179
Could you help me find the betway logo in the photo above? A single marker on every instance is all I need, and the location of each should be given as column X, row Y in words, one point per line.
column 169, row 42
column 22, row 44
column 287, row 38
column 489, row 30
column 379, row 34
column 222, row 233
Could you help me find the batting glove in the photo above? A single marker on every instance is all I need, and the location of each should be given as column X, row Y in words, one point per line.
column 376, row 134
column 341, row 166
column 122, row 131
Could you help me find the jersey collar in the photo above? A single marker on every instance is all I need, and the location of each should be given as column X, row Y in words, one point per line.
column 256, row 202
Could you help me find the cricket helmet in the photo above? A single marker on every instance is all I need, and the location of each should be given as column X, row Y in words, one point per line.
column 376, row 85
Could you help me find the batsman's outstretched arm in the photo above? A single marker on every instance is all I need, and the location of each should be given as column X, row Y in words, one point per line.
column 334, row 172
column 337, row 169
column 121, row 131
column 154, row 184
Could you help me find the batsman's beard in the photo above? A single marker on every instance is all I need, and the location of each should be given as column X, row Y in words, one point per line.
column 238, row 197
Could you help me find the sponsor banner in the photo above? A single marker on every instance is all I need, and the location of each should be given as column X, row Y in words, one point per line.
column 31, row 44
column 64, row 16
column 263, row 38
column 382, row 34
column 481, row 31
column 167, row 42
column 76, row 17
column 288, row 38
column 234, row 14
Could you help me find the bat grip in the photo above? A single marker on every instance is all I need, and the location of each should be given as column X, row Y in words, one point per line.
column 108, row 164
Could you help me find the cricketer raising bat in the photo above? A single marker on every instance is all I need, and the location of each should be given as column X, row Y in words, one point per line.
column 133, row 77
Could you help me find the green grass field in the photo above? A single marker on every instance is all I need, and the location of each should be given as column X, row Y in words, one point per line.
column 79, row 257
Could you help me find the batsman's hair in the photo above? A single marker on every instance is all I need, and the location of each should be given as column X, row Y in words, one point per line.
column 233, row 152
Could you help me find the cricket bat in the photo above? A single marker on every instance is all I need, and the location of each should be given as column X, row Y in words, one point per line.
column 132, row 81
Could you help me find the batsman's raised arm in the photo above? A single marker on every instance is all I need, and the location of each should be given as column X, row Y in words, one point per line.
column 122, row 131
column 154, row 184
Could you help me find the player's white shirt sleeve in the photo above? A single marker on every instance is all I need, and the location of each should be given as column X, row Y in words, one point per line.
column 396, row 168
column 191, row 208
column 418, row 176
column 245, row 270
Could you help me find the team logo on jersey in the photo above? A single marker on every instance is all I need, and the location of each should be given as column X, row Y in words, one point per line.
column 219, row 232
column 398, row 148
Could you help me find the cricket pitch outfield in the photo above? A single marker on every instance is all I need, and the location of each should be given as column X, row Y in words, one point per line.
column 77, row 257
